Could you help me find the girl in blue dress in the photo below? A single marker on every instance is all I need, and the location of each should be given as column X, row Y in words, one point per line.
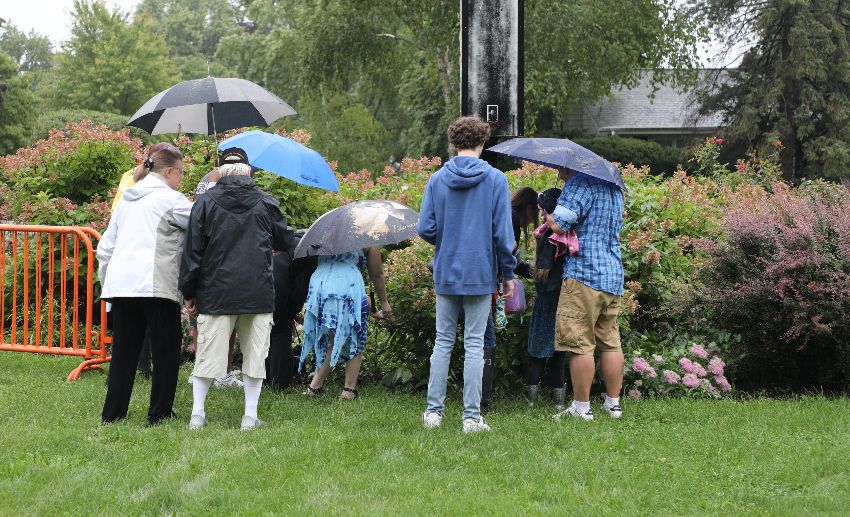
column 338, row 308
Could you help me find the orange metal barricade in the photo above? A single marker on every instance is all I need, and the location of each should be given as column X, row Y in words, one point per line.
column 42, row 309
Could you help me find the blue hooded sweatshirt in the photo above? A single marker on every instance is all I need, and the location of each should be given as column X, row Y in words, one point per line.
column 466, row 215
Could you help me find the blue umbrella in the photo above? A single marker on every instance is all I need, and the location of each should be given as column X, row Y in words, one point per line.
column 560, row 152
column 284, row 157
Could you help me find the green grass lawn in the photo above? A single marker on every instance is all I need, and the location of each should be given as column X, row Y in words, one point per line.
column 371, row 456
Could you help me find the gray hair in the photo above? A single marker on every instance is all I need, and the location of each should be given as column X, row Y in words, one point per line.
column 235, row 169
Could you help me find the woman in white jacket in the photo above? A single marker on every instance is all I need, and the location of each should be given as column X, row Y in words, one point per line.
column 139, row 260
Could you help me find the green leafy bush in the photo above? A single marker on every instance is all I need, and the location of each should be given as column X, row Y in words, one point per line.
column 660, row 159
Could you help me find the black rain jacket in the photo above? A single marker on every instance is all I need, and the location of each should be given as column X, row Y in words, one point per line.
column 227, row 252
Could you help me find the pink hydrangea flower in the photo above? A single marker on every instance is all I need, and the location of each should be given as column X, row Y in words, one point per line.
column 642, row 367
column 638, row 383
column 635, row 394
column 687, row 365
column 723, row 384
column 657, row 358
column 690, row 380
column 715, row 366
column 671, row 377
column 699, row 351
column 699, row 370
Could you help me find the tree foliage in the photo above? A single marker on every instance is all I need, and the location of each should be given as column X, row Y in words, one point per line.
column 110, row 64
column 792, row 85
column 29, row 51
column 17, row 106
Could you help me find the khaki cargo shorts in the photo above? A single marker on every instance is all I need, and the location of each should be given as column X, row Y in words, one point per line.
column 214, row 332
column 586, row 319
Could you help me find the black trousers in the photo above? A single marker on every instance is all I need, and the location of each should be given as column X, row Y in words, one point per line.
column 279, row 363
column 134, row 319
column 556, row 370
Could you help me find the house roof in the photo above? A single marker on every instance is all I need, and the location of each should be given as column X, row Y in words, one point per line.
column 630, row 109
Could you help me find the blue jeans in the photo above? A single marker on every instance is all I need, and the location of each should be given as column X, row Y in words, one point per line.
column 489, row 332
column 476, row 310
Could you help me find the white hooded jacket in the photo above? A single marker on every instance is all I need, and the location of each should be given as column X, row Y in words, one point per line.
column 139, row 254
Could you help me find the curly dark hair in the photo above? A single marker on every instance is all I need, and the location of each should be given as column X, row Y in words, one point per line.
column 468, row 133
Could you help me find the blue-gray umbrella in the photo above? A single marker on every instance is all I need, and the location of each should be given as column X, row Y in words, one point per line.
column 561, row 152
column 210, row 105
column 358, row 225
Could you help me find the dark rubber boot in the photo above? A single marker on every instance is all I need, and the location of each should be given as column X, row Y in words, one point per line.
column 531, row 396
column 559, row 396
column 487, row 380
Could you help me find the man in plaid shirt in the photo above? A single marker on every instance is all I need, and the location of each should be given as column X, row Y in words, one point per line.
column 589, row 302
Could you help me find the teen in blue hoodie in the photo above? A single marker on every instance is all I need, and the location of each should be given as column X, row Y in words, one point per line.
column 466, row 215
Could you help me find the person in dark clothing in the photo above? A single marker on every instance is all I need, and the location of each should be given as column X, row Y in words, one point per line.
column 227, row 279
column 523, row 214
column 541, row 333
column 291, row 282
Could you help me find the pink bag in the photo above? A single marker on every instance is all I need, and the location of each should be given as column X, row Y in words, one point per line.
column 516, row 303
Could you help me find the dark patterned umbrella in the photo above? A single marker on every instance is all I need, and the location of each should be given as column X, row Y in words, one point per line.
column 561, row 152
column 358, row 225
column 210, row 105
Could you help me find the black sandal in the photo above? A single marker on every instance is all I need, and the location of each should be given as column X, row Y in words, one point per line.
column 313, row 392
column 352, row 391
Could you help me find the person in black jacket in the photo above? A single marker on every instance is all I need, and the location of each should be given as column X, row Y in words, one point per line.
column 291, row 282
column 227, row 279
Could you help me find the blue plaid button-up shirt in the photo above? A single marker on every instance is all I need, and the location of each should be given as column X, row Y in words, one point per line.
column 594, row 208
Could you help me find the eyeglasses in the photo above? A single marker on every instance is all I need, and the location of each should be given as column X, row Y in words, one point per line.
column 179, row 169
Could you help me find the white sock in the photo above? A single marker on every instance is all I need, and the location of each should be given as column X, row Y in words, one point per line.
column 582, row 407
column 252, row 388
column 200, row 387
column 611, row 401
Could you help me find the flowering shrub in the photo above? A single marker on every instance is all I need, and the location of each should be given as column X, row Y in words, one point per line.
column 400, row 348
column 780, row 278
column 694, row 370
column 82, row 162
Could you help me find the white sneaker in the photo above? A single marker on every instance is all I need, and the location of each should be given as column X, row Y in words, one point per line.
column 249, row 423
column 573, row 412
column 431, row 420
column 228, row 381
column 615, row 411
column 196, row 422
column 475, row 426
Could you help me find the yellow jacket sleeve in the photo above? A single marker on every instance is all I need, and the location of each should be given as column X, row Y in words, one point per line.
column 126, row 182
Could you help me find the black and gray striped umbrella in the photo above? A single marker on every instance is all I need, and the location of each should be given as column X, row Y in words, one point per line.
column 210, row 105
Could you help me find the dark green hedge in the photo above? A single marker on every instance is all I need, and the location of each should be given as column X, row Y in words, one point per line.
column 661, row 160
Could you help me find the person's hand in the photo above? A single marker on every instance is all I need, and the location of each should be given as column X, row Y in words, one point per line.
column 507, row 288
column 192, row 307
column 386, row 311
column 553, row 225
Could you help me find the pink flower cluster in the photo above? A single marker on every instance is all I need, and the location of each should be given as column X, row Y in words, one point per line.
column 690, row 380
column 698, row 351
column 640, row 365
column 716, row 365
column 671, row 377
